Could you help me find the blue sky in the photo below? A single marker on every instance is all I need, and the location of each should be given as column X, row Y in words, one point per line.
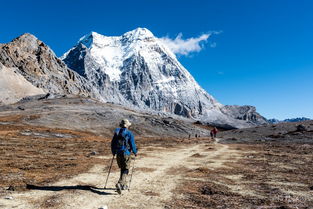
column 263, row 54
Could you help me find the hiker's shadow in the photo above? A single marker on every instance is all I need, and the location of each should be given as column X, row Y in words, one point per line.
column 77, row 187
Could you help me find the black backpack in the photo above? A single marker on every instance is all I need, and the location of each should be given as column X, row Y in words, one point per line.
column 121, row 142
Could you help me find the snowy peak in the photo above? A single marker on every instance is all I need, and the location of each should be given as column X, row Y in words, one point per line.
column 137, row 69
column 138, row 34
column 96, row 39
column 109, row 53
column 93, row 38
column 86, row 40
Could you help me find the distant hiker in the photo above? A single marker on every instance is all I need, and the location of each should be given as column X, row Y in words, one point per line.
column 196, row 135
column 123, row 143
column 213, row 132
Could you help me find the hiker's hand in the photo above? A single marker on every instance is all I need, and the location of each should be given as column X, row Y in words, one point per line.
column 135, row 155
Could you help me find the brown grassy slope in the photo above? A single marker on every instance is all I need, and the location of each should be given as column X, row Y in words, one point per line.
column 39, row 155
column 273, row 175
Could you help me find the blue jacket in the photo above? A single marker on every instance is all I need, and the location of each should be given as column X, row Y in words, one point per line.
column 128, row 135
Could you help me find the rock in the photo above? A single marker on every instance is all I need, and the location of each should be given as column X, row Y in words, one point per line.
column 20, row 108
column 93, row 153
column 301, row 128
column 37, row 63
column 166, row 122
column 11, row 188
column 103, row 207
column 246, row 113
column 45, row 96
column 8, row 198
column 208, row 191
column 198, row 122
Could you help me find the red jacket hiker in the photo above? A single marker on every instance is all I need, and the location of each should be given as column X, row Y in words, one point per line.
column 213, row 132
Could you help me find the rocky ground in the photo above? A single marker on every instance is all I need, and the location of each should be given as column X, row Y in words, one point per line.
column 294, row 132
column 83, row 114
column 252, row 176
column 47, row 162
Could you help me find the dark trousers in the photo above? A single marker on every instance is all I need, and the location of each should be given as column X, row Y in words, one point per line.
column 123, row 162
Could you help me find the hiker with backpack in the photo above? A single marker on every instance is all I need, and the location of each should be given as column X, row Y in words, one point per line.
column 213, row 132
column 122, row 145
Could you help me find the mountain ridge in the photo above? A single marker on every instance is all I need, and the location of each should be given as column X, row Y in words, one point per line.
column 38, row 64
column 298, row 119
column 148, row 77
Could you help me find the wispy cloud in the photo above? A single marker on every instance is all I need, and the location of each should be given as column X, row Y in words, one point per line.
column 182, row 46
column 213, row 45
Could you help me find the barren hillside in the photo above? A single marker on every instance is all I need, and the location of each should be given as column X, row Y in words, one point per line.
column 55, row 153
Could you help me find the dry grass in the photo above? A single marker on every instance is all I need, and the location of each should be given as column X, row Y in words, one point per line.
column 151, row 193
column 35, row 155
column 39, row 155
column 197, row 155
column 145, row 169
column 266, row 176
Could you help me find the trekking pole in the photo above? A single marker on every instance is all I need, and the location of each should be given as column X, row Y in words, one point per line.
column 109, row 172
column 131, row 176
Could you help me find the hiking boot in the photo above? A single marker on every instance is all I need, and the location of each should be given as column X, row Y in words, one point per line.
column 124, row 187
column 118, row 188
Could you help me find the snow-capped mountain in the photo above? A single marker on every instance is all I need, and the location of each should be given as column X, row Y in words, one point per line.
column 299, row 119
column 137, row 69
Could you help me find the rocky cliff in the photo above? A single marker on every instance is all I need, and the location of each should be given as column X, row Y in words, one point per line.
column 36, row 62
column 246, row 113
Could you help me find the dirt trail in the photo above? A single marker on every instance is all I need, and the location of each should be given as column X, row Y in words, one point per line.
column 156, row 175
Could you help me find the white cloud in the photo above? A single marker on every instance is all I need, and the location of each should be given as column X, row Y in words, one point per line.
column 182, row 46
